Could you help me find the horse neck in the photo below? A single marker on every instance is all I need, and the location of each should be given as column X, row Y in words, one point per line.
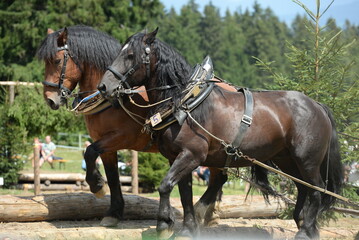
column 153, row 96
column 91, row 77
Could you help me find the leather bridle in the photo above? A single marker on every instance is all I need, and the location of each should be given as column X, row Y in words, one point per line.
column 65, row 92
column 124, row 77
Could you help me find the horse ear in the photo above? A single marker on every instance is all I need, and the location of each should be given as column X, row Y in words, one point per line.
column 150, row 37
column 49, row 31
column 62, row 38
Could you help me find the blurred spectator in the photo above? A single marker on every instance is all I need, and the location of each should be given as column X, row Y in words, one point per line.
column 202, row 173
column 47, row 151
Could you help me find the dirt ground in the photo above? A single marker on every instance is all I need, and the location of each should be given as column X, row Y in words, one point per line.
column 344, row 228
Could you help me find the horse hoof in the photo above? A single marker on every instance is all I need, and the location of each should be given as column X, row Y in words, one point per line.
column 200, row 210
column 109, row 222
column 102, row 192
column 164, row 234
column 213, row 222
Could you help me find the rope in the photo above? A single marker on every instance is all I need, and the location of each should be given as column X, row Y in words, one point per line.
column 131, row 114
column 85, row 99
column 148, row 105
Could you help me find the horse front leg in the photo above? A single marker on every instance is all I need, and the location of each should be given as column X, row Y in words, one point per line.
column 180, row 171
column 189, row 224
column 93, row 175
column 115, row 212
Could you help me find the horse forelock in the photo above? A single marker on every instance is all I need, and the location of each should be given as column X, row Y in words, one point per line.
column 86, row 45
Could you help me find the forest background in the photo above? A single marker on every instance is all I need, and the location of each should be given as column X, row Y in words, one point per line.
column 252, row 48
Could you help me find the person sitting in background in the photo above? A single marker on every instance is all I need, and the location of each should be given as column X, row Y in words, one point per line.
column 47, row 152
column 202, row 173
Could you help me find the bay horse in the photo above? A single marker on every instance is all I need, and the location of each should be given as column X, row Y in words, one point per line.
column 89, row 52
column 293, row 131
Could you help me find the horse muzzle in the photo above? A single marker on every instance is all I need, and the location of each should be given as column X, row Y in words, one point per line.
column 53, row 105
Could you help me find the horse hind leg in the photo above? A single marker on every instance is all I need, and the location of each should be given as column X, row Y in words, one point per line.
column 298, row 214
column 289, row 166
column 308, row 229
column 205, row 208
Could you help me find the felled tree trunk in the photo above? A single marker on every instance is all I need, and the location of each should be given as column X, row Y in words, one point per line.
column 73, row 206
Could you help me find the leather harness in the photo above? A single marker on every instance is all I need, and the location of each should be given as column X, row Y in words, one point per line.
column 246, row 122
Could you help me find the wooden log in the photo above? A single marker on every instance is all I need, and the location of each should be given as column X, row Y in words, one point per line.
column 36, row 177
column 63, row 187
column 87, row 206
column 62, row 177
column 134, row 171
column 71, row 206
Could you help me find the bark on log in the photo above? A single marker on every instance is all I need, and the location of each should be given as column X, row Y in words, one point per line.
column 87, row 206
column 63, row 187
column 63, row 177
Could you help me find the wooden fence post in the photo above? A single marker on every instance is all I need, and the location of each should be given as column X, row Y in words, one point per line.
column 36, row 168
column 134, row 172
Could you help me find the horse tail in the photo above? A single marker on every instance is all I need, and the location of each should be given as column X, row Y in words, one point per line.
column 332, row 168
column 260, row 178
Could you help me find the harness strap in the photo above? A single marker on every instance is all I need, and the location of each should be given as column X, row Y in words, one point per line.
column 246, row 122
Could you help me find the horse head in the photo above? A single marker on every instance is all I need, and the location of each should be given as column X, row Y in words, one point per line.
column 61, row 72
column 75, row 55
column 133, row 66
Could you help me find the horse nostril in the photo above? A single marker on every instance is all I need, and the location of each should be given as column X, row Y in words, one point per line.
column 52, row 104
column 102, row 88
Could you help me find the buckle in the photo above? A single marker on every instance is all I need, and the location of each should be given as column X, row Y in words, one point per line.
column 131, row 71
column 124, row 91
column 128, row 91
column 247, row 120
column 145, row 59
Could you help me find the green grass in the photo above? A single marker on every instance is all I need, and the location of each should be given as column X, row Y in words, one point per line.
column 73, row 165
column 233, row 188
column 75, row 157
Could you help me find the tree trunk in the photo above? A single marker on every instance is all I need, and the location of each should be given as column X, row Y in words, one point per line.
column 86, row 206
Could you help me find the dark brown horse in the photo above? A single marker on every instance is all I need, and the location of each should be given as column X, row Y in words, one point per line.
column 289, row 128
column 89, row 52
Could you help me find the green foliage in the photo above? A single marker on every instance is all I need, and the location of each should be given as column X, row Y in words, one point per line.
column 152, row 168
column 36, row 119
column 323, row 73
column 12, row 147
column 321, row 70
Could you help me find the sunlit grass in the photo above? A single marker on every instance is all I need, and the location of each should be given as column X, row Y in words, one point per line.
column 230, row 188
column 73, row 164
column 74, row 157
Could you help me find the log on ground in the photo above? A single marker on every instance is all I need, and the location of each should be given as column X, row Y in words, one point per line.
column 63, row 177
column 86, row 206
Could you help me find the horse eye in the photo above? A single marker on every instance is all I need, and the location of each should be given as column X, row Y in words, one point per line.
column 57, row 61
column 130, row 55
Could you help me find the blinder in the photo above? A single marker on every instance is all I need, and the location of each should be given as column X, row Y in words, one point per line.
column 65, row 92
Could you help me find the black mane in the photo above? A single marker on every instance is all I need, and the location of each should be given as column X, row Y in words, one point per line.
column 86, row 45
column 171, row 69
